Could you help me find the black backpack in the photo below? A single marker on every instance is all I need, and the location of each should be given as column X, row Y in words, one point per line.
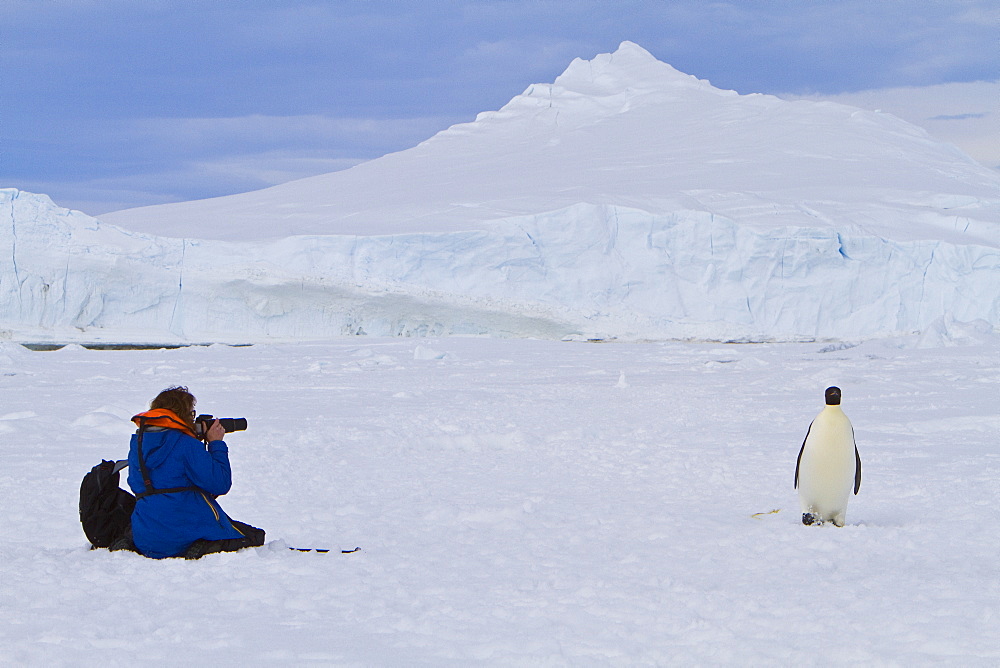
column 105, row 508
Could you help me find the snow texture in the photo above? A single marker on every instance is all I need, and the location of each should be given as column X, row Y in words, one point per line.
column 520, row 503
column 625, row 200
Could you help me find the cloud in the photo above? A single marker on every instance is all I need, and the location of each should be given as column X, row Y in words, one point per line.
column 826, row 47
column 356, row 137
column 198, row 158
column 986, row 16
column 957, row 117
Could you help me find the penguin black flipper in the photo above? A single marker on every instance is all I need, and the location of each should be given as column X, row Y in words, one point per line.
column 857, row 470
column 801, row 450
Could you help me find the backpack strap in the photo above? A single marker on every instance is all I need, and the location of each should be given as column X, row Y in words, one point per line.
column 144, row 470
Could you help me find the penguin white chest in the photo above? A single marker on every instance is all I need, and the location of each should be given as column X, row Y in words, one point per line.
column 827, row 468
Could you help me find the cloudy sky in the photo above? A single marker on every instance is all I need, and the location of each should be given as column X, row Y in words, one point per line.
column 107, row 104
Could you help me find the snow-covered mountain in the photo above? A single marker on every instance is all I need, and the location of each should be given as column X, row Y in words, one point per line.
column 624, row 200
column 625, row 129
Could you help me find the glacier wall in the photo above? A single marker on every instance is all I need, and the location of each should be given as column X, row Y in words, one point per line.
column 586, row 270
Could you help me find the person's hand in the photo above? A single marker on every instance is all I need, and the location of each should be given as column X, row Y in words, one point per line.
column 215, row 432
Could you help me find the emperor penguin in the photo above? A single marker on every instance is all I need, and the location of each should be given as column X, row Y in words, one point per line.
column 828, row 466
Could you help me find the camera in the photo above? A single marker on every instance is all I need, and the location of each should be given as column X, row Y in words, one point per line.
column 203, row 422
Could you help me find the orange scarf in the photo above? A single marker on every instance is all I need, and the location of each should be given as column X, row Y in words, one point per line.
column 163, row 417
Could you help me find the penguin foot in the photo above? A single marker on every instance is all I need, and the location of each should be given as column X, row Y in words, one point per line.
column 809, row 519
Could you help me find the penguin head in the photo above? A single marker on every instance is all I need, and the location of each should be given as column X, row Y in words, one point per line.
column 833, row 396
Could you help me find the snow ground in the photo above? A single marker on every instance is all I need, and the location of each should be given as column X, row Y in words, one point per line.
column 519, row 502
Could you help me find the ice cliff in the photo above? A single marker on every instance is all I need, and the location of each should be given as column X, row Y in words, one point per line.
column 594, row 271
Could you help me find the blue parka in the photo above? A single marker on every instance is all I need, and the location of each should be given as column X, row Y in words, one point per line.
column 165, row 525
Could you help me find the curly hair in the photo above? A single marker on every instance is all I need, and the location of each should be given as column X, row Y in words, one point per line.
column 178, row 400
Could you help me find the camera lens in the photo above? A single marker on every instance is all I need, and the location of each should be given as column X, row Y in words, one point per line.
column 233, row 424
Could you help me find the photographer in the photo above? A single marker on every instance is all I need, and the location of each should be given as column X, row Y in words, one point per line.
column 176, row 480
